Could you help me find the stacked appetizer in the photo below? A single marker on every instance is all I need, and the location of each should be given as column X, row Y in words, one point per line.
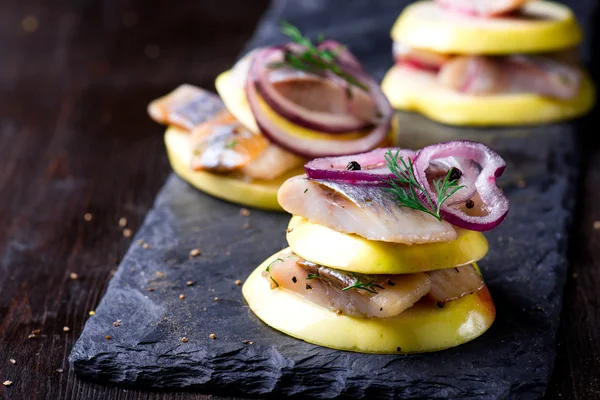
column 382, row 250
column 488, row 62
column 278, row 107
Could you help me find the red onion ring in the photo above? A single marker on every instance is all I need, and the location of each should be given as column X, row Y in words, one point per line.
column 469, row 173
column 348, row 121
column 374, row 169
column 495, row 204
column 313, row 148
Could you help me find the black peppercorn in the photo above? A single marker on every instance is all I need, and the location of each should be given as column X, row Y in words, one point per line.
column 455, row 174
column 353, row 166
column 469, row 203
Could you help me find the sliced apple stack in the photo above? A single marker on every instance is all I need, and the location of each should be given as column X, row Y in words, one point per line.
column 488, row 62
column 369, row 267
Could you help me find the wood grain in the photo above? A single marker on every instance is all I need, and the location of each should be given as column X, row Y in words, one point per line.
column 75, row 78
column 75, row 138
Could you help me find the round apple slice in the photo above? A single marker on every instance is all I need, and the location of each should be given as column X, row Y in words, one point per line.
column 537, row 27
column 424, row 327
column 328, row 247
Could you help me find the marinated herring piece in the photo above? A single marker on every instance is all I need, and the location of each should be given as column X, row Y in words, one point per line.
column 365, row 210
column 185, row 107
column 454, row 283
column 479, row 75
column 347, row 293
column 223, row 144
column 368, row 296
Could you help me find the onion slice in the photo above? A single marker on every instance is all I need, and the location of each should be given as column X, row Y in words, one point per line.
column 373, row 167
column 354, row 112
column 323, row 145
column 492, row 205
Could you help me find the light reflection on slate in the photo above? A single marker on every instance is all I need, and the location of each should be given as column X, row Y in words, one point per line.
column 525, row 271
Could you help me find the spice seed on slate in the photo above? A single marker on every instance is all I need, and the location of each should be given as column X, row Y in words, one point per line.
column 194, row 253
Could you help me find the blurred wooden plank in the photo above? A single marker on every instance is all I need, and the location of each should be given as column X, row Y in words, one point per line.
column 75, row 78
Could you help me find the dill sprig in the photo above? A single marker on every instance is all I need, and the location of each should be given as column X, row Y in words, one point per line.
column 409, row 193
column 313, row 59
column 268, row 269
column 369, row 287
column 313, row 276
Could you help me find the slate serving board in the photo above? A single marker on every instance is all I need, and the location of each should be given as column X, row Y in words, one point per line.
column 525, row 270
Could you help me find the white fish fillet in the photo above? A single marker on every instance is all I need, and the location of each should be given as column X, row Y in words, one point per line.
column 380, row 296
column 368, row 211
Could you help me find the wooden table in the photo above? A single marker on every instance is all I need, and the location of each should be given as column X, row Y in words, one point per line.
column 79, row 154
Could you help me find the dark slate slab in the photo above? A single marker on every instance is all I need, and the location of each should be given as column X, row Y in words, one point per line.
column 525, row 271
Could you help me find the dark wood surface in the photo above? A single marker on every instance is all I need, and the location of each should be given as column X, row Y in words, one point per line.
column 75, row 78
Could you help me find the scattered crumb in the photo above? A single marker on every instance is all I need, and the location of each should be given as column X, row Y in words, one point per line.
column 246, row 225
column 31, row 336
column 123, row 222
column 194, row 252
column 7, row 383
column 160, row 274
column 238, row 282
column 36, row 331
column 244, row 212
column 182, row 296
column 212, row 336
column 66, row 329
column 289, row 230
column 245, row 341
column 216, row 298
column 87, row 217
column 251, row 342
column 12, row 361
column 146, row 246
column 30, row 24
column 204, row 308
column 132, row 269
column 60, row 370
column 184, row 339
column 190, row 283
column 521, row 183
column 127, row 232
column 117, row 323
column 338, row 312
column 596, row 225
column 92, row 313
column 575, row 275
column 73, row 275
column 227, row 253
column 107, row 337
column 140, row 242
column 150, row 289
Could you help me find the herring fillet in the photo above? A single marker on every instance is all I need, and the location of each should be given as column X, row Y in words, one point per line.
column 391, row 295
column 368, row 211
